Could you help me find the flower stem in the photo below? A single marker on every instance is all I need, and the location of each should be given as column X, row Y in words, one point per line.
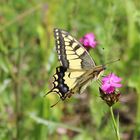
column 114, row 123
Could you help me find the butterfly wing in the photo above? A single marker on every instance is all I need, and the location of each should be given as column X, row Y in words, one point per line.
column 65, row 81
column 71, row 53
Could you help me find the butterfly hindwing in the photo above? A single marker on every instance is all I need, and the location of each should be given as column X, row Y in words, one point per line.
column 65, row 81
column 71, row 53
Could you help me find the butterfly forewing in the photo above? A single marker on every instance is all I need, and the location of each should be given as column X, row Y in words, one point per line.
column 71, row 53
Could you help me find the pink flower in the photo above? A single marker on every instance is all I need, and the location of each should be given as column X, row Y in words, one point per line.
column 110, row 82
column 88, row 40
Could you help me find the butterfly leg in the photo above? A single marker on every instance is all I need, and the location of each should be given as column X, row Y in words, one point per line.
column 68, row 94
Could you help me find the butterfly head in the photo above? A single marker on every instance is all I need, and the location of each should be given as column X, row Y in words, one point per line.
column 99, row 70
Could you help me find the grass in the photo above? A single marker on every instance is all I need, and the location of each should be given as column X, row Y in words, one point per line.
column 28, row 60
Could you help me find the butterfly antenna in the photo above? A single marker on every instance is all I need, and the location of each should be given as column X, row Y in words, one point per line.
column 112, row 61
column 56, row 103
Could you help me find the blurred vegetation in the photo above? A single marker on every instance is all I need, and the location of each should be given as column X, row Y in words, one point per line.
column 28, row 60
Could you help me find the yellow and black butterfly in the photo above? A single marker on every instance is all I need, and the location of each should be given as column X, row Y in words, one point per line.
column 77, row 68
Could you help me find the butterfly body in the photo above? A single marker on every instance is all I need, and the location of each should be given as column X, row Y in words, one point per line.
column 77, row 68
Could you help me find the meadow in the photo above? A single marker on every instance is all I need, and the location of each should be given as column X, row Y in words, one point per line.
column 28, row 60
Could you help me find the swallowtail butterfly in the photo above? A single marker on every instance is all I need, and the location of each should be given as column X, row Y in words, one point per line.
column 77, row 68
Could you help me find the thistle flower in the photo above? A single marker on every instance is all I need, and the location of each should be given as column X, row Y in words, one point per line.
column 110, row 82
column 88, row 40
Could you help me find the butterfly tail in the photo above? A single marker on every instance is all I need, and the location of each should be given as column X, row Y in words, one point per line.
column 48, row 92
column 56, row 103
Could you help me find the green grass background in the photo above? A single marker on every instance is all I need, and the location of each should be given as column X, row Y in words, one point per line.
column 28, row 60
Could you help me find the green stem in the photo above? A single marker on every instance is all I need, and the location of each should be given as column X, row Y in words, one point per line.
column 17, row 92
column 114, row 123
column 137, row 117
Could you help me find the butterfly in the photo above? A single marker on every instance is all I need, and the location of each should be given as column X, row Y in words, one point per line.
column 77, row 68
